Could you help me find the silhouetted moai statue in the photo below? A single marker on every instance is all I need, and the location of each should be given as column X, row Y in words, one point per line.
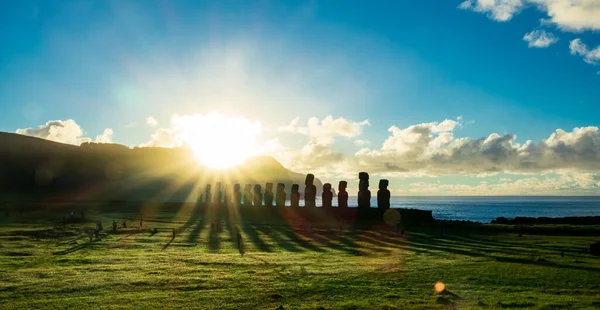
column 295, row 196
column 342, row 194
column 364, row 195
column 383, row 195
column 207, row 195
column 280, row 195
column 237, row 195
column 310, row 191
column 327, row 195
column 218, row 194
column 269, row 195
column 248, row 195
column 258, row 196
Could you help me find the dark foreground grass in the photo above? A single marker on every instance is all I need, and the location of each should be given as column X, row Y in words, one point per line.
column 43, row 265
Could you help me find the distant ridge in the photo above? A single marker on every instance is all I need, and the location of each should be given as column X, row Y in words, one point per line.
column 37, row 169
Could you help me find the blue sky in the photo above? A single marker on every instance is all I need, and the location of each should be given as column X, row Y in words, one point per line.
column 394, row 63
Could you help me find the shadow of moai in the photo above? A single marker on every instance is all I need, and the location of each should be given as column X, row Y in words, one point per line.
column 269, row 195
column 383, row 195
column 280, row 195
column 295, row 196
column 227, row 194
column 327, row 196
column 310, row 191
column 207, row 195
column 218, row 197
column 258, row 196
column 237, row 195
column 248, row 195
column 364, row 195
column 342, row 194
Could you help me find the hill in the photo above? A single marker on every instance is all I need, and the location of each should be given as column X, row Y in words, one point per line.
column 38, row 169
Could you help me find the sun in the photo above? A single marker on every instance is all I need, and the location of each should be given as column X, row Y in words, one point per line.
column 218, row 141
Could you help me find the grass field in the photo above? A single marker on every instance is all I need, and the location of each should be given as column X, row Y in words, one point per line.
column 44, row 265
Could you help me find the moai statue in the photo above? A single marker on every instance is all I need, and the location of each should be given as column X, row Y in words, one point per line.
column 342, row 195
column 383, row 195
column 269, row 195
column 280, row 195
column 248, row 195
column 310, row 191
column 207, row 195
column 364, row 195
column 258, row 196
column 295, row 196
column 227, row 195
column 327, row 196
column 237, row 195
column 218, row 194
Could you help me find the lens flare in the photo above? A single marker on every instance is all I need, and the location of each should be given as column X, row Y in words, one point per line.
column 440, row 286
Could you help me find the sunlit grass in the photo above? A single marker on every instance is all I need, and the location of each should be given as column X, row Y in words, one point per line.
column 43, row 265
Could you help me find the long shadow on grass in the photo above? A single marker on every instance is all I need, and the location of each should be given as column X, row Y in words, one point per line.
column 489, row 242
column 256, row 239
column 73, row 249
column 214, row 240
column 198, row 221
column 437, row 245
column 477, row 245
column 293, row 236
column 341, row 243
column 282, row 242
column 168, row 244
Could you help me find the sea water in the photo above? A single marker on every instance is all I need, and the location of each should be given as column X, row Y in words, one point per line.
column 486, row 208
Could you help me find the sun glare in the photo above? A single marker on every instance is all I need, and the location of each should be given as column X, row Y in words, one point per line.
column 218, row 141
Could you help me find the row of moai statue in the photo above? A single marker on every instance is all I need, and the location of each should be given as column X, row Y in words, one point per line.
column 256, row 197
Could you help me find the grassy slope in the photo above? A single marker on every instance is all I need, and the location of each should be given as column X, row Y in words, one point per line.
column 42, row 266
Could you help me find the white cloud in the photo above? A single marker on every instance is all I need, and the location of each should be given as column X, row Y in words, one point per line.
column 164, row 137
column 420, row 148
column 432, row 149
column 67, row 131
column 500, row 10
column 360, row 142
column 540, row 39
column 326, row 130
column 579, row 48
column 572, row 15
column 151, row 121
column 105, row 137
column 584, row 183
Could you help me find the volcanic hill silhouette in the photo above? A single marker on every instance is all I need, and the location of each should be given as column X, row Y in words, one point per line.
column 37, row 169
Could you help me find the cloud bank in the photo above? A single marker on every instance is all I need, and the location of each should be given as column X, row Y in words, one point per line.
column 432, row 149
column 67, row 131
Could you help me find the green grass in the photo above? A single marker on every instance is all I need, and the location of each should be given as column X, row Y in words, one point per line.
column 43, row 265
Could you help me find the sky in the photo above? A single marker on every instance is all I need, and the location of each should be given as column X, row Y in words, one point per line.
column 477, row 97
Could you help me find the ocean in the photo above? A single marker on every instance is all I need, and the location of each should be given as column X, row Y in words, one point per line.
column 487, row 208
